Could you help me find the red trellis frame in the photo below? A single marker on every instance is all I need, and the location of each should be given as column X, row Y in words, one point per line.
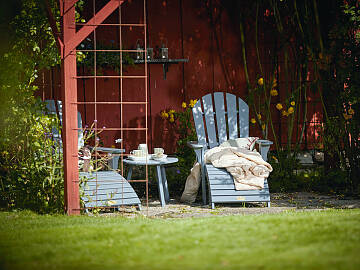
column 67, row 41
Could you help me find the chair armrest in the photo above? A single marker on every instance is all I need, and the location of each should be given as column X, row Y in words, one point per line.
column 264, row 142
column 264, row 146
column 195, row 145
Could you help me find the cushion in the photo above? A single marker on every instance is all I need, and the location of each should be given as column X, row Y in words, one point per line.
column 247, row 143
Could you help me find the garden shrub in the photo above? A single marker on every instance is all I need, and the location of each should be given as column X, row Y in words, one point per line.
column 30, row 163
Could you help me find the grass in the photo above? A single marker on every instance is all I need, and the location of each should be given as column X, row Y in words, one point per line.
column 293, row 240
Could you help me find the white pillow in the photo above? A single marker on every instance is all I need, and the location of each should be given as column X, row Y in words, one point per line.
column 247, row 143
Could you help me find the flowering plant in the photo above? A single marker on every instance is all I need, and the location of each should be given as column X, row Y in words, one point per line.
column 181, row 121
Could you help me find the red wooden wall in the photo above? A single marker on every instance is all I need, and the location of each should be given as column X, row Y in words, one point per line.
column 185, row 27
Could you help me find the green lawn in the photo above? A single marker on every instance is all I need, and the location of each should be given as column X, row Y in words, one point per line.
column 293, row 240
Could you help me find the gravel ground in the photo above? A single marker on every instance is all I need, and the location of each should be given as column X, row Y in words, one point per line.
column 280, row 202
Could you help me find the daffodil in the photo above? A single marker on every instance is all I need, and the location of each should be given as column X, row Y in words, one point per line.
column 171, row 119
column 192, row 103
column 183, row 105
column 274, row 92
column 259, row 116
column 279, row 106
column 284, row 113
column 171, row 111
column 263, row 126
column 351, row 111
column 290, row 110
column 164, row 114
column 252, row 120
column 261, row 81
column 292, row 103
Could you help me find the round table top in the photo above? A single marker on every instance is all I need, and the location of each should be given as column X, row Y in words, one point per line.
column 151, row 162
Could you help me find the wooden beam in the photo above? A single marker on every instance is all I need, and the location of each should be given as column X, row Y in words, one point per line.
column 69, row 5
column 86, row 29
column 54, row 28
column 69, row 99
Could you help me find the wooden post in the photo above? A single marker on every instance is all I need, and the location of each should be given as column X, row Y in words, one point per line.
column 69, row 100
column 67, row 45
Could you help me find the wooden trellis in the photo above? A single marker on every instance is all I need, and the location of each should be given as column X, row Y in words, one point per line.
column 68, row 40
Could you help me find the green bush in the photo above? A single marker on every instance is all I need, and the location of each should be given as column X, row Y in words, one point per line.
column 30, row 163
column 31, row 170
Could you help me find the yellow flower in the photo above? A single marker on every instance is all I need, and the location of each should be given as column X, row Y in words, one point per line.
column 284, row 113
column 274, row 83
column 290, row 110
column 252, row 120
column 192, row 103
column 351, row 111
column 164, row 114
column 274, row 92
column 292, row 103
column 263, row 126
column 259, row 116
column 183, row 105
column 279, row 106
column 261, row 81
column 171, row 111
column 171, row 119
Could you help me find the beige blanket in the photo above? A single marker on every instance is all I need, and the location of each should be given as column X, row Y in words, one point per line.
column 247, row 168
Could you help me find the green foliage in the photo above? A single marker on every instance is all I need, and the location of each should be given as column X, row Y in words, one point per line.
column 309, row 41
column 104, row 59
column 30, row 167
column 342, row 97
column 182, row 122
column 31, row 172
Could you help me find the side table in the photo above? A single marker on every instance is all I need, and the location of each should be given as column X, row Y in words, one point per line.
column 160, row 174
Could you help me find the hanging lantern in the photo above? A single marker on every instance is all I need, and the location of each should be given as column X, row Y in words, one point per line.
column 149, row 53
column 139, row 53
column 164, row 51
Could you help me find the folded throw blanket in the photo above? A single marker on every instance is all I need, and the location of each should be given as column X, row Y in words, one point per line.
column 247, row 168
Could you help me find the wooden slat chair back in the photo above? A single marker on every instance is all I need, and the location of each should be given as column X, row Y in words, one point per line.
column 102, row 188
column 230, row 113
column 219, row 117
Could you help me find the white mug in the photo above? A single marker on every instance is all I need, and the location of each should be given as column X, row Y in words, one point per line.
column 138, row 153
column 158, row 151
column 143, row 147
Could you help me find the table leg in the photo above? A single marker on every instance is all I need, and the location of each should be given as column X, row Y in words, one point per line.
column 160, row 185
column 165, row 184
column 129, row 173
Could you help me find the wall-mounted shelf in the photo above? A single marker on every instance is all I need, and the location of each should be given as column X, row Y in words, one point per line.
column 165, row 62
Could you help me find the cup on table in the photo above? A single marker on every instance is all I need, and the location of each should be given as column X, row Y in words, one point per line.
column 158, row 152
column 138, row 153
column 144, row 148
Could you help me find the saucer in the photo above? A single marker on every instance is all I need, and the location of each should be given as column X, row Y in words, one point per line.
column 138, row 158
column 154, row 157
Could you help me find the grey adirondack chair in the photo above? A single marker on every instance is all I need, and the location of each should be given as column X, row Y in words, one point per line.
column 102, row 188
column 216, row 122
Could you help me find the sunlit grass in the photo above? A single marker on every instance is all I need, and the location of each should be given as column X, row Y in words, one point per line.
column 293, row 240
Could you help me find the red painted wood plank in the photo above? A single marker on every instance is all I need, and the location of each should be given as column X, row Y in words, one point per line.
column 69, row 99
column 86, row 30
